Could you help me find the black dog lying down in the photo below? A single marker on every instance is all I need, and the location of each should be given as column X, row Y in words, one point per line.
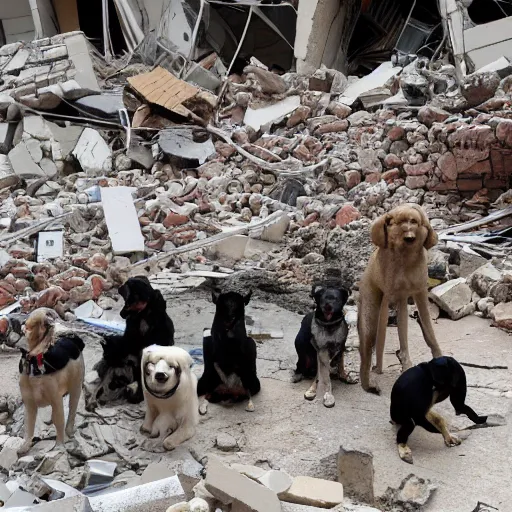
column 229, row 354
column 321, row 341
column 421, row 387
column 147, row 323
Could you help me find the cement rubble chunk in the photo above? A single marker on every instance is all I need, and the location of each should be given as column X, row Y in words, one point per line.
column 356, row 473
column 470, row 261
column 93, row 153
column 483, row 278
column 181, row 143
column 22, row 163
column 315, row 492
column 17, row 62
column 230, row 487
column 226, row 442
column 502, row 315
column 253, row 472
column 277, row 481
column 151, row 497
column 454, row 297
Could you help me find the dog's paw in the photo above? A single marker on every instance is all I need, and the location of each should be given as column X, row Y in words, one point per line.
column 250, row 406
column 377, row 370
column 374, row 390
column 310, row 394
column 452, row 440
column 144, row 429
column 169, row 445
column 405, row 453
column 154, row 434
column 329, row 400
column 203, row 408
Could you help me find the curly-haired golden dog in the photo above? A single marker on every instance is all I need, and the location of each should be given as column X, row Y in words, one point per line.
column 396, row 271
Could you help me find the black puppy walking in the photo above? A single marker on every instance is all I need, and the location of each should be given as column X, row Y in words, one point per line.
column 321, row 341
column 147, row 323
column 418, row 389
column 229, row 354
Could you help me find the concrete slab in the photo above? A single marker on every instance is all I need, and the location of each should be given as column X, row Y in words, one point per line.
column 180, row 143
column 122, row 221
column 22, row 163
column 256, row 118
column 66, row 137
column 78, row 52
column 17, row 62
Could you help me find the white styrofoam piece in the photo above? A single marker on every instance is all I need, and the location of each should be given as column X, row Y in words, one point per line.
column 256, row 118
column 122, row 221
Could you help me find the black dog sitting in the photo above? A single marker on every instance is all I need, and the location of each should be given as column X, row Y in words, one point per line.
column 321, row 341
column 418, row 389
column 229, row 354
column 147, row 323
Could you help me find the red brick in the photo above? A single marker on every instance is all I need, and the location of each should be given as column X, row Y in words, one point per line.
column 373, row 177
column 504, row 132
column 173, row 219
column 483, row 167
column 346, row 214
column 396, row 133
column 469, row 185
column 494, row 184
column 419, row 169
column 352, row 179
column 448, row 166
column 391, row 175
column 391, row 161
column 337, row 126
column 501, row 160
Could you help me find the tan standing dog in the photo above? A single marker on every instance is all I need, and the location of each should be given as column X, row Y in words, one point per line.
column 170, row 393
column 50, row 369
column 396, row 271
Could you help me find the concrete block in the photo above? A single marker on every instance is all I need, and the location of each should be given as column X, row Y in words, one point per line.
column 155, row 496
column 6, row 136
column 180, row 143
column 454, row 297
column 501, row 315
column 53, row 53
column 314, row 492
column 10, row 49
column 78, row 52
column 17, row 62
column 356, row 473
column 275, row 231
column 79, row 503
column 66, row 137
column 36, row 127
column 22, row 163
column 93, row 153
column 470, row 261
column 232, row 248
column 122, row 221
column 255, row 248
column 230, row 487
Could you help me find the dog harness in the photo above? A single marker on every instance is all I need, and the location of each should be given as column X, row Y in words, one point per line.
column 54, row 359
column 169, row 393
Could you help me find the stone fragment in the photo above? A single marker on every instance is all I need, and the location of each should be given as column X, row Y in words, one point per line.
column 483, row 278
column 469, row 261
column 232, row 248
column 428, row 115
column 356, row 473
column 23, row 164
column 314, row 492
column 501, row 315
column 269, row 82
column 226, row 442
column 180, row 143
column 150, row 497
column 414, row 182
column 352, row 179
column 253, row 472
column 230, row 487
column 339, row 110
column 454, row 297
column 414, row 492
column 17, row 62
column 299, row 115
column 479, row 87
column 273, row 232
column 277, row 481
column 419, row 169
column 448, row 166
column 93, row 153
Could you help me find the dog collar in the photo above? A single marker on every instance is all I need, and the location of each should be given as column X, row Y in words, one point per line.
column 169, row 393
column 329, row 324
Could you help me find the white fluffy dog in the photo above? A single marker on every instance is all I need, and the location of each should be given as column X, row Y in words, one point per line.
column 170, row 393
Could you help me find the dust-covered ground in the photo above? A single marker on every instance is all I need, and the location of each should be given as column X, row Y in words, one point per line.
column 303, row 438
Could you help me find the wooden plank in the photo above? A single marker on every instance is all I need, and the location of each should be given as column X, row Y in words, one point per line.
column 162, row 88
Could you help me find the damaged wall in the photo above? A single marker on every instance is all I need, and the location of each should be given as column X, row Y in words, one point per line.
column 16, row 20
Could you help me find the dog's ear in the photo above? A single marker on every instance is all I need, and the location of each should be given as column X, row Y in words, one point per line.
column 316, row 290
column 215, row 296
column 247, row 297
column 430, row 235
column 144, row 279
column 379, row 231
column 345, row 294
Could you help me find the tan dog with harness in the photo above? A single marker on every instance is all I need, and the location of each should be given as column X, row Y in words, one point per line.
column 51, row 368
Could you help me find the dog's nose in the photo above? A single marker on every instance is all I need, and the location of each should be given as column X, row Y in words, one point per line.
column 409, row 239
column 161, row 377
